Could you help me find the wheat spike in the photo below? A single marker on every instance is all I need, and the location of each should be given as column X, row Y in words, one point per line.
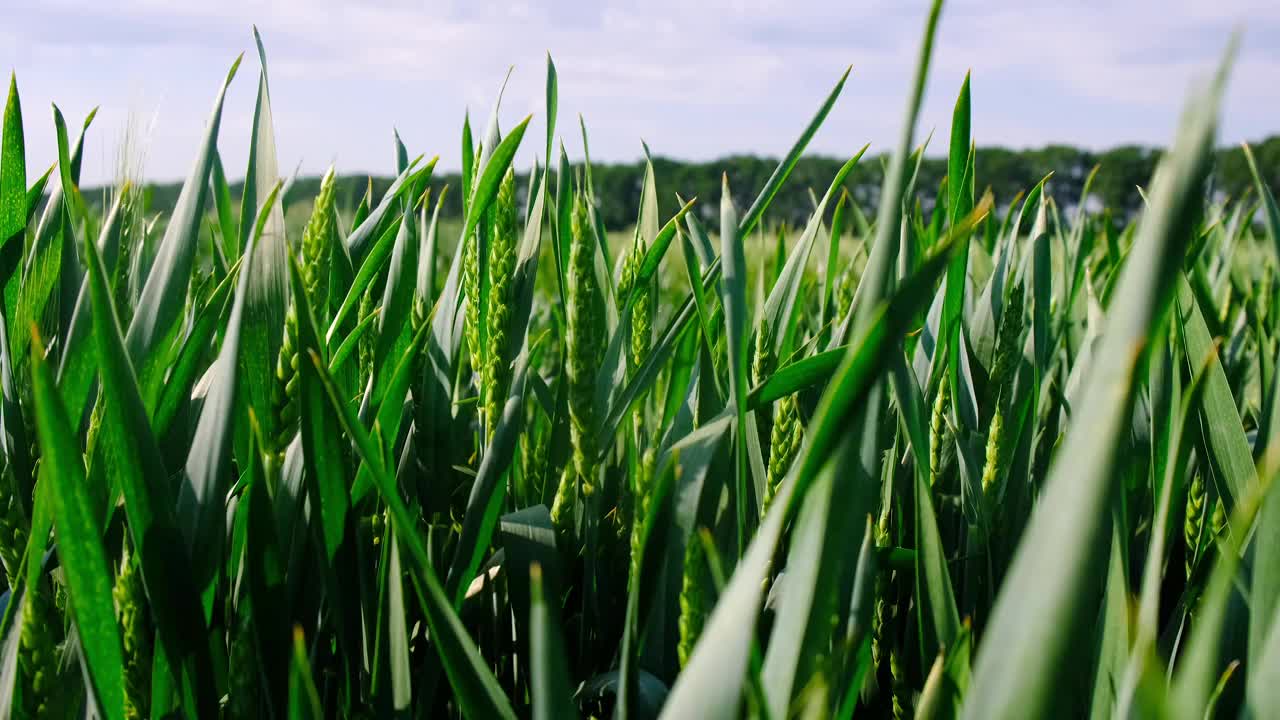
column 502, row 266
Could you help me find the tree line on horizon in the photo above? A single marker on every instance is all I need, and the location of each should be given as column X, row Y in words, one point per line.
column 1121, row 172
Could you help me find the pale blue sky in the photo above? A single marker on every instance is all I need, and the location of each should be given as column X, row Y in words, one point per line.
column 695, row 79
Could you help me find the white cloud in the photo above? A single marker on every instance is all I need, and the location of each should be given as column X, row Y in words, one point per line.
column 696, row 79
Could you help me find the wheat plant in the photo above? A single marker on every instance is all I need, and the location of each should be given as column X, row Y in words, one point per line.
column 974, row 457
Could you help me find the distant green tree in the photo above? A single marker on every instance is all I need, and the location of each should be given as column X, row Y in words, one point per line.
column 1004, row 171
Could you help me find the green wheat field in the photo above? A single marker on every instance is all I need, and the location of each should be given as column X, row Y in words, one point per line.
column 986, row 458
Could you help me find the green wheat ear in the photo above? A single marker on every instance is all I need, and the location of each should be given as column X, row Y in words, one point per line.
column 991, row 462
column 643, row 494
column 135, row 624
column 784, row 444
column 1219, row 517
column 885, row 613
column 471, row 282
column 1197, row 502
column 37, row 651
column 318, row 240
column 938, row 431
column 585, row 344
column 764, row 362
column 502, row 266
column 132, row 237
column 847, row 287
column 901, row 691
column 1008, row 350
column 562, row 506
column 643, row 306
column 368, row 305
column 286, row 387
column 881, row 606
column 693, row 601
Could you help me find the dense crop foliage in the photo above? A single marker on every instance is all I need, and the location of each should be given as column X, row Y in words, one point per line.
column 967, row 461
